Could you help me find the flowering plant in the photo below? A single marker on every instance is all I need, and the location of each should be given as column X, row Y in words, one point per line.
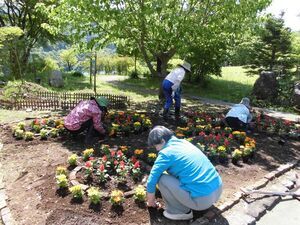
column 76, row 191
column 87, row 153
column 88, row 168
column 28, row 136
column 21, row 125
column 101, row 172
column 136, row 170
column 61, row 170
column 140, row 193
column 72, row 160
column 94, row 195
column 152, row 157
column 43, row 134
column 138, row 152
column 137, row 126
column 54, row 132
column 61, row 181
column 117, row 197
column 222, row 151
column 122, row 171
column 19, row 133
column 236, row 155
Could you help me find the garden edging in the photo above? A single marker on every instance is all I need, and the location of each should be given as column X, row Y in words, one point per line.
column 5, row 214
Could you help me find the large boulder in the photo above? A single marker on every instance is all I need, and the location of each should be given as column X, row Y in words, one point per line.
column 56, row 79
column 266, row 86
column 296, row 95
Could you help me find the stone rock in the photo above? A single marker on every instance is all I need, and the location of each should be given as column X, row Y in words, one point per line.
column 266, row 86
column 56, row 79
column 296, row 95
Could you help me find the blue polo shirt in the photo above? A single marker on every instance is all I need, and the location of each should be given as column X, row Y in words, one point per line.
column 189, row 165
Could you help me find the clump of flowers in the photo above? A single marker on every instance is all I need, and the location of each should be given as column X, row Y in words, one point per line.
column 61, row 170
column 101, row 173
column 88, row 168
column 76, row 191
column 87, row 153
column 136, row 170
column 19, row 133
column 152, row 157
column 54, row 132
column 122, row 171
column 43, row 134
column 124, row 148
column 222, row 151
column 94, row 195
column 236, row 155
column 137, row 126
column 28, row 136
column 140, row 193
column 117, row 197
column 61, row 181
column 21, row 125
column 72, row 160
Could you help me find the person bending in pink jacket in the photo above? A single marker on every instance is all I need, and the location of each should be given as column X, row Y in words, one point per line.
column 88, row 116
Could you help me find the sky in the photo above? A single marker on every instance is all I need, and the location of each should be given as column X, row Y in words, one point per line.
column 292, row 12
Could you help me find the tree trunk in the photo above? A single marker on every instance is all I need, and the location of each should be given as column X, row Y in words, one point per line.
column 95, row 72
column 91, row 70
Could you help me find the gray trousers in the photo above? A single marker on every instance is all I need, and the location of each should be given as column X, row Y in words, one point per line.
column 179, row 201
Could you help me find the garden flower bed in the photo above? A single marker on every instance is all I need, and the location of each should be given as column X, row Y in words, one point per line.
column 45, row 167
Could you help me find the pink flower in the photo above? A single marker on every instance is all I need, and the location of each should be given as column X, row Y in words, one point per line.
column 101, row 167
column 122, row 165
column 116, row 162
column 88, row 164
column 230, row 136
column 136, row 165
column 91, row 158
column 218, row 138
column 104, row 158
column 112, row 153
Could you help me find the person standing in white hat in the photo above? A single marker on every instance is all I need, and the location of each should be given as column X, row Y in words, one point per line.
column 172, row 89
column 239, row 116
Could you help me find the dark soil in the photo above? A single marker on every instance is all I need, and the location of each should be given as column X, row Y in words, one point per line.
column 28, row 170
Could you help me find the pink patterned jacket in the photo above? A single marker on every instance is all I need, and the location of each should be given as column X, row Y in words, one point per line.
column 84, row 111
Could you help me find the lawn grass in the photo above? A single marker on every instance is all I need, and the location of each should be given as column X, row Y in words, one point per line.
column 231, row 87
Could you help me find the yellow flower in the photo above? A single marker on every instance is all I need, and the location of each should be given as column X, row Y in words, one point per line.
column 152, row 155
column 180, row 135
column 221, row 148
column 117, row 197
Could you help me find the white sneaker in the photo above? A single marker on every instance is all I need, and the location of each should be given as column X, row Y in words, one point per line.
column 184, row 216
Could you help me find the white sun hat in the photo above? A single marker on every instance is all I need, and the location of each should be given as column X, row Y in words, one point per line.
column 186, row 66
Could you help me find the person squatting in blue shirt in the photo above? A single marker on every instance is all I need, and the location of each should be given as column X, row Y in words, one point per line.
column 185, row 176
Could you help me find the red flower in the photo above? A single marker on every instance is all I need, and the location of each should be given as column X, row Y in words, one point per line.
column 88, row 164
column 101, row 167
column 104, row 158
column 133, row 159
column 91, row 158
column 218, row 138
column 230, row 136
column 226, row 142
column 136, row 165
column 116, row 162
column 112, row 153
column 122, row 165
column 120, row 153
column 202, row 133
column 36, row 122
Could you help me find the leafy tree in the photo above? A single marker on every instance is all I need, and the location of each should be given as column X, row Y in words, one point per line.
column 9, row 44
column 68, row 56
column 159, row 29
column 32, row 18
column 272, row 46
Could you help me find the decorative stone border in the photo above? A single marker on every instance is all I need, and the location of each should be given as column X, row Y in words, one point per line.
column 5, row 214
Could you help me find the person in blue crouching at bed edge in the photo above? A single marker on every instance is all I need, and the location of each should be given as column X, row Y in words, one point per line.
column 186, row 178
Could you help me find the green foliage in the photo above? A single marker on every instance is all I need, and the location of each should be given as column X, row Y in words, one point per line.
column 68, row 57
column 156, row 30
column 271, row 49
column 32, row 18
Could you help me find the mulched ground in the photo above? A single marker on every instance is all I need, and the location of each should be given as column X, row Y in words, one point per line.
column 29, row 167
